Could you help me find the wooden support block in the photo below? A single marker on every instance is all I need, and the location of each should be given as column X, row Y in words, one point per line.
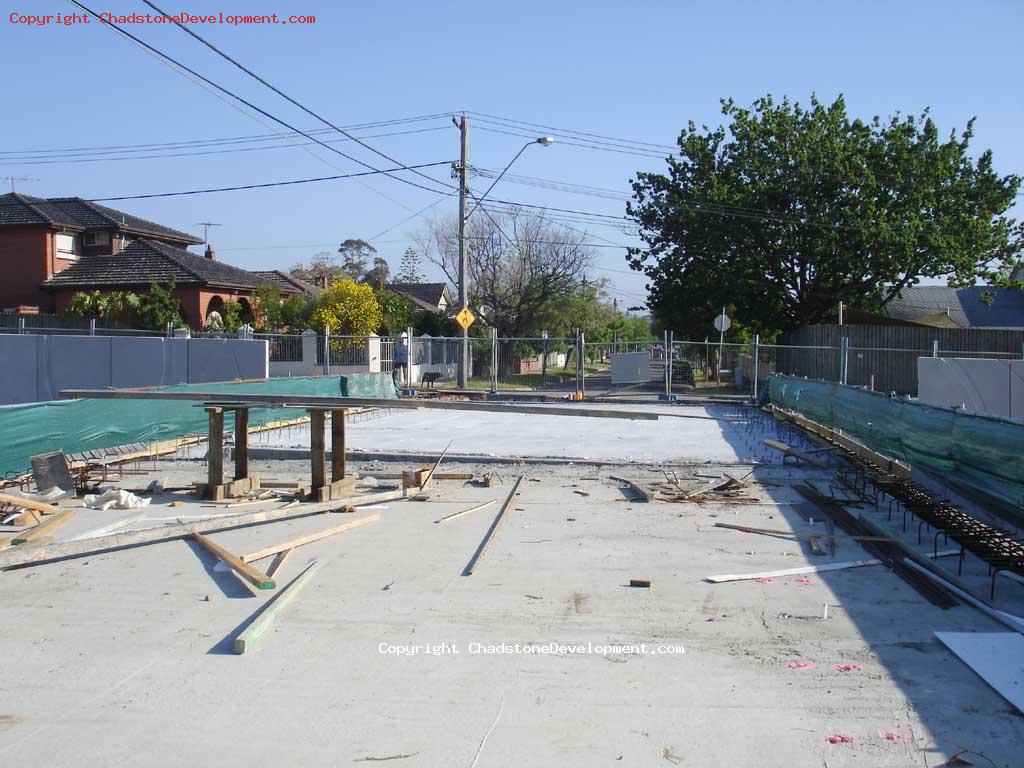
column 413, row 478
column 247, row 640
column 44, row 528
column 239, row 487
column 308, row 539
column 339, row 489
column 643, row 583
column 338, row 445
column 215, row 449
column 255, row 577
column 241, row 443
column 317, row 449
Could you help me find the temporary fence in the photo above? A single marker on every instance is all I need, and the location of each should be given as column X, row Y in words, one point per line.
column 577, row 364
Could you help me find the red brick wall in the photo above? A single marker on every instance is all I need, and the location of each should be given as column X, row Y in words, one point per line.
column 194, row 300
column 26, row 260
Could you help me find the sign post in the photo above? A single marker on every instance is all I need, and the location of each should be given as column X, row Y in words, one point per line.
column 722, row 324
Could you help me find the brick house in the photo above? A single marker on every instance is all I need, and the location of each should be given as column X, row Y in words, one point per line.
column 52, row 248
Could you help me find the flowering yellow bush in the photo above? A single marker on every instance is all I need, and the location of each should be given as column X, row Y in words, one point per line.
column 348, row 309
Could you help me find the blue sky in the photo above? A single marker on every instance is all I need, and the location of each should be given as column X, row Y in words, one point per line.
column 637, row 71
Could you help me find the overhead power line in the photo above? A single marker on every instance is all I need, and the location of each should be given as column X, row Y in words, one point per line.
column 247, row 103
column 264, row 185
column 223, row 149
column 289, row 99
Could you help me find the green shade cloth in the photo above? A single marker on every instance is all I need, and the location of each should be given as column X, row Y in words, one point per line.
column 981, row 456
column 74, row 426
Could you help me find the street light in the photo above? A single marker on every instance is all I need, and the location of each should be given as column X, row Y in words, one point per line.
column 463, row 125
column 544, row 141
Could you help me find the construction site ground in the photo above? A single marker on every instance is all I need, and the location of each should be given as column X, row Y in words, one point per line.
column 544, row 656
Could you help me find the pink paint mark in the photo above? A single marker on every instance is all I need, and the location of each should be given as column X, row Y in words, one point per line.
column 803, row 581
column 896, row 736
column 847, row 667
column 765, row 580
column 839, row 738
column 802, row 665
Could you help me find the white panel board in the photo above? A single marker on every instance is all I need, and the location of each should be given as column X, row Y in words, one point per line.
column 631, row 368
column 1017, row 389
column 979, row 385
column 997, row 657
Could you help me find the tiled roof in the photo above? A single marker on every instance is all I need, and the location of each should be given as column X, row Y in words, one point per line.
column 144, row 261
column 75, row 213
column 966, row 307
column 287, row 283
column 428, row 295
column 17, row 210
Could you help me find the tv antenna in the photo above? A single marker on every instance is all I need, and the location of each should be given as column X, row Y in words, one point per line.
column 14, row 179
column 206, row 228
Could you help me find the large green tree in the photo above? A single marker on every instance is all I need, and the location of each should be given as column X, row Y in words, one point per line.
column 790, row 210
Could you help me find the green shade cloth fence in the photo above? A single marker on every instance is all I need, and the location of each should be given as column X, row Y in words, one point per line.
column 981, row 456
column 74, row 426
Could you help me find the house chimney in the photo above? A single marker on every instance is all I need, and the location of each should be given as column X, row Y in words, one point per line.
column 210, row 253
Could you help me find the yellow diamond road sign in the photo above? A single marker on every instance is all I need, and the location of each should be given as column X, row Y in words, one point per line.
column 465, row 318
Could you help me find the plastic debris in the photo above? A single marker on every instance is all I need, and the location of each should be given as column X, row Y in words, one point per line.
column 846, row 667
column 115, row 498
column 802, row 665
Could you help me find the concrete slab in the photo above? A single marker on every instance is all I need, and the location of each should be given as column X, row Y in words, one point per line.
column 727, row 436
column 390, row 654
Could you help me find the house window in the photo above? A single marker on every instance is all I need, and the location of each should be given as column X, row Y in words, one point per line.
column 67, row 246
column 97, row 238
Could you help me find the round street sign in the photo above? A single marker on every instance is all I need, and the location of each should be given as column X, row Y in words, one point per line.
column 723, row 323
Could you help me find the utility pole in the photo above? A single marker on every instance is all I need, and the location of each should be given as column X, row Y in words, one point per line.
column 463, row 378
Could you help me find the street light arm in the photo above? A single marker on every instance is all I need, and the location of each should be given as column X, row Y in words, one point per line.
column 497, row 179
column 543, row 141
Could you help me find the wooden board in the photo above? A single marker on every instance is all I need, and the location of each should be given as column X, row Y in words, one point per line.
column 265, row 620
column 790, row 451
column 808, row 569
column 454, row 515
column 296, row 401
column 38, row 506
column 430, row 475
column 278, row 561
column 45, row 528
column 254, row 576
column 489, row 536
column 308, row 538
column 635, row 487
